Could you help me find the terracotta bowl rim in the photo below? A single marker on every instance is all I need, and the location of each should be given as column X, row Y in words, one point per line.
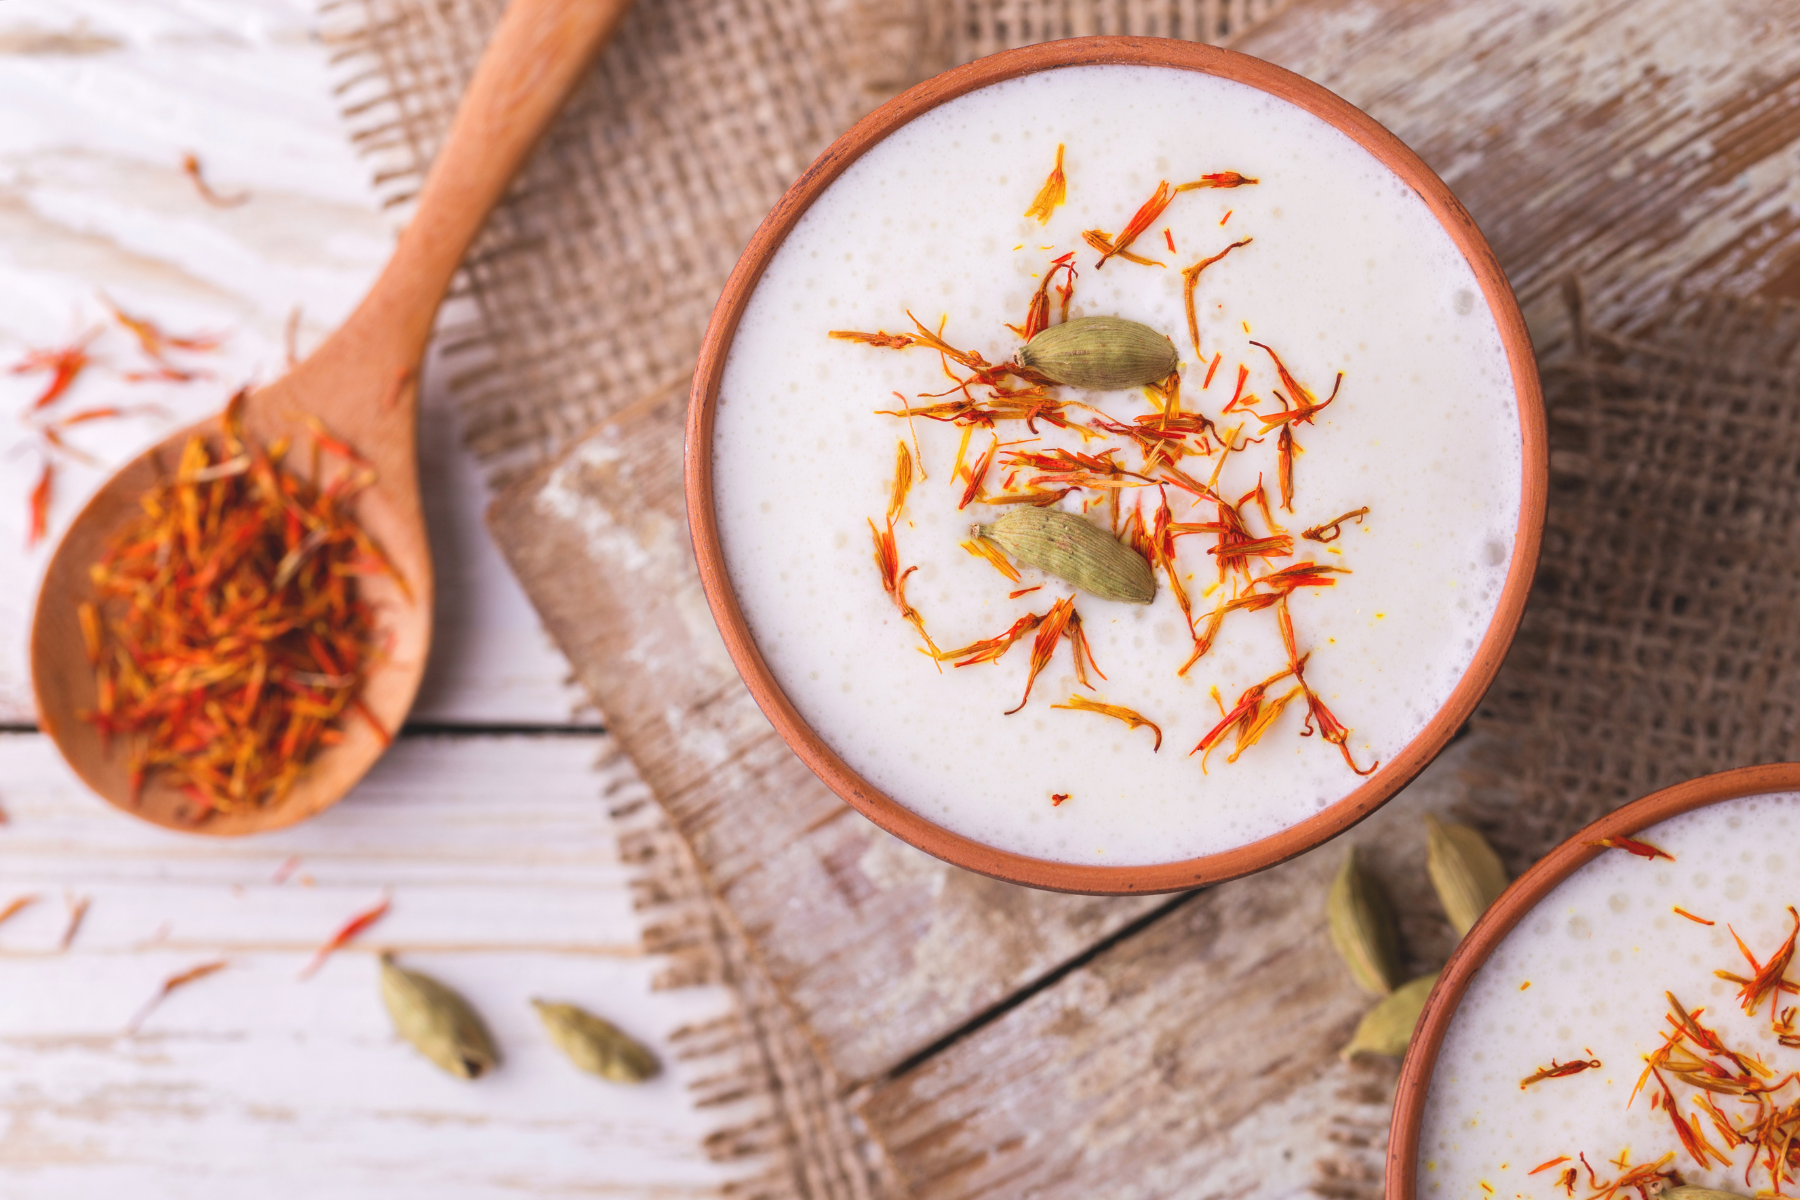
column 1513, row 906
column 909, row 826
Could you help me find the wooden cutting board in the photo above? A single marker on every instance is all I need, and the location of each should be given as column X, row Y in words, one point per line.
column 1000, row 1041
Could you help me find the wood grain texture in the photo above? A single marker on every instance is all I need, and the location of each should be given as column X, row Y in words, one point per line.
column 1197, row 1058
column 507, row 883
column 837, row 908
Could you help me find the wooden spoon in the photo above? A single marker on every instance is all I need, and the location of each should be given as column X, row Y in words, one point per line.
column 362, row 382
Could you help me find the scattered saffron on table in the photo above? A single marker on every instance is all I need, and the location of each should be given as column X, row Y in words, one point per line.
column 17, row 905
column 190, row 166
column 78, row 908
column 64, row 365
column 168, row 985
column 349, row 929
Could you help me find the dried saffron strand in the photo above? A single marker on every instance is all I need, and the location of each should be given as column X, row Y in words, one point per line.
column 1218, row 357
column 1102, row 241
column 1169, row 237
column 1333, row 527
column 1190, row 279
column 1082, row 653
column 1052, row 194
column 39, row 506
column 977, row 474
column 1306, row 405
column 1284, row 467
column 1766, row 979
column 64, row 364
column 1037, row 315
column 180, row 979
column 1682, row 912
column 346, row 931
column 994, row 648
column 1140, row 221
column 1558, row 1070
column 17, row 905
column 1245, row 713
column 1632, row 846
column 984, row 549
column 1545, row 1166
column 190, row 166
column 78, row 909
column 230, row 640
column 1049, row 633
column 1057, row 798
column 1218, row 179
column 902, row 483
column 1080, row 703
column 155, row 342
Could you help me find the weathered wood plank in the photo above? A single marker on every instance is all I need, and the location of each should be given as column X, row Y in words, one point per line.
column 501, row 857
column 881, row 949
column 1196, row 1058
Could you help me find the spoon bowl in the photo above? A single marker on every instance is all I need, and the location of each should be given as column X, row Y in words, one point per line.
column 362, row 383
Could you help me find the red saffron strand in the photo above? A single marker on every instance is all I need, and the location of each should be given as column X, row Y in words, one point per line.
column 1558, row 1070
column 1633, row 846
column 350, row 929
column 168, row 985
column 1682, row 912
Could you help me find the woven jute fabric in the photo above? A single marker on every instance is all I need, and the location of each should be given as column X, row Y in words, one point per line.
column 1661, row 638
column 590, row 289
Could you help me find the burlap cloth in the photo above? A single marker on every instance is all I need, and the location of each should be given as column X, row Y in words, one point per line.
column 590, row 289
column 1659, row 638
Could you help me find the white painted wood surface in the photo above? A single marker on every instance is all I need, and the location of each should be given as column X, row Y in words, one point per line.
column 505, row 883
column 499, row 851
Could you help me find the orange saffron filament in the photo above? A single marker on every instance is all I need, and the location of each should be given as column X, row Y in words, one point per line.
column 348, row 930
column 1080, row 703
column 1052, row 194
column 1558, row 1070
column 1633, row 846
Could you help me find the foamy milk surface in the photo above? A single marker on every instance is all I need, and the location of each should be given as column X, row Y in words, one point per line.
column 1347, row 272
column 1599, row 953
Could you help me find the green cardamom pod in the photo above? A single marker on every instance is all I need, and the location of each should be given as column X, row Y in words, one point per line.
column 1388, row 1027
column 1362, row 927
column 595, row 1045
column 1075, row 550
column 1465, row 871
column 1102, row 354
column 437, row 1021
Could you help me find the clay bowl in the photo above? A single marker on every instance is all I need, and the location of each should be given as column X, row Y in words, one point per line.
column 1513, row 906
column 1016, row 868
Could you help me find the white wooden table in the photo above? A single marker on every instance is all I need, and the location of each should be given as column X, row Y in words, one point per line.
column 489, row 821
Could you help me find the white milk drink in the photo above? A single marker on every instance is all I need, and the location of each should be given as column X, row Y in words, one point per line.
column 1587, row 976
column 1346, row 271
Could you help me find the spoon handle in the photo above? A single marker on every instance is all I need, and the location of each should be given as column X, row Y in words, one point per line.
column 535, row 57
